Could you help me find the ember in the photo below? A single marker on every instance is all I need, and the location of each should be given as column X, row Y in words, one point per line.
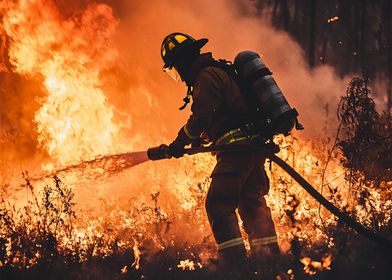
column 333, row 19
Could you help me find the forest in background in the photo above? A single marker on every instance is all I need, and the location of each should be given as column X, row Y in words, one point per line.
column 353, row 36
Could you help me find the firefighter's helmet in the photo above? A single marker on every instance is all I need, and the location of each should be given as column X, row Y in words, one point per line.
column 174, row 47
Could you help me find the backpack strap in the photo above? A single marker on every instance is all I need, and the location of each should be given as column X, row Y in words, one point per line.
column 231, row 70
column 225, row 65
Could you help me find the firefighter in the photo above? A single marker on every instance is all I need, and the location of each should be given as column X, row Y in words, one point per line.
column 238, row 181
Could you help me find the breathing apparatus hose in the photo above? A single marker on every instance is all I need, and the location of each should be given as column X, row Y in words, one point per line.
column 345, row 218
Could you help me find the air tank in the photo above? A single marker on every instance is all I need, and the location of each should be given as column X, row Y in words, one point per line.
column 263, row 91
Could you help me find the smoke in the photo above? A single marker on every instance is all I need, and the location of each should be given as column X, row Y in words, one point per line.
column 230, row 26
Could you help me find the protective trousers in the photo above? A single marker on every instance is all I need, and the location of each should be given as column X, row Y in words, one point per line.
column 239, row 182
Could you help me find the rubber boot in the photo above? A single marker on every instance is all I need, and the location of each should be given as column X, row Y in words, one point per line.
column 265, row 261
column 233, row 264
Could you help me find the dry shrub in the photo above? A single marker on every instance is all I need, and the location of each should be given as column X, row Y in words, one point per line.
column 367, row 143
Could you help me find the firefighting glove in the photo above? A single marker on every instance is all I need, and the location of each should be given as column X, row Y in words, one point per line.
column 176, row 149
column 273, row 147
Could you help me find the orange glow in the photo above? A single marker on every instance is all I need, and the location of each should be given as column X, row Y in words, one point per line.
column 104, row 95
column 70, row 57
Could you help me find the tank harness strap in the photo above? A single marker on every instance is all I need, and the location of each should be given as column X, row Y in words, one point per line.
column 188, row 133
column 230, row 69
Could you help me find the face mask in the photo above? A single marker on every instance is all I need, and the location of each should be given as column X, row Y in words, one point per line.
column 173, row 73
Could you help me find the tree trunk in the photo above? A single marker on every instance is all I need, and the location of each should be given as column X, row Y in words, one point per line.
column 295, row 16
column 345, row 21
column 388, row 33
column 312, row 34
column 324, row 49
column 363, row 43
column 356, row 29
column 285, row 14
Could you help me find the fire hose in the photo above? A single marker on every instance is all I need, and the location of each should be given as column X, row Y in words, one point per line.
column 161, row 152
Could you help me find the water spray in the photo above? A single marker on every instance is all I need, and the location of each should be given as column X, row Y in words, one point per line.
column 114, row 164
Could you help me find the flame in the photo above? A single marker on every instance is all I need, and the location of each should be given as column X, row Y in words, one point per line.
column 124, row 269
column 189, row 265
column 311, row 267
column 136, row 254
column 69, row 54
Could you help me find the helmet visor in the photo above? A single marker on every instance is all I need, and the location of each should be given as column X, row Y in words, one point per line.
column 173, row 73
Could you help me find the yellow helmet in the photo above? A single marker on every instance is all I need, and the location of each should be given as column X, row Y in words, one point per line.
column 175, row 46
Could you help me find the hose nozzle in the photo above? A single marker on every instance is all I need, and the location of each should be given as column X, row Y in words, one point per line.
column 158, row 152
